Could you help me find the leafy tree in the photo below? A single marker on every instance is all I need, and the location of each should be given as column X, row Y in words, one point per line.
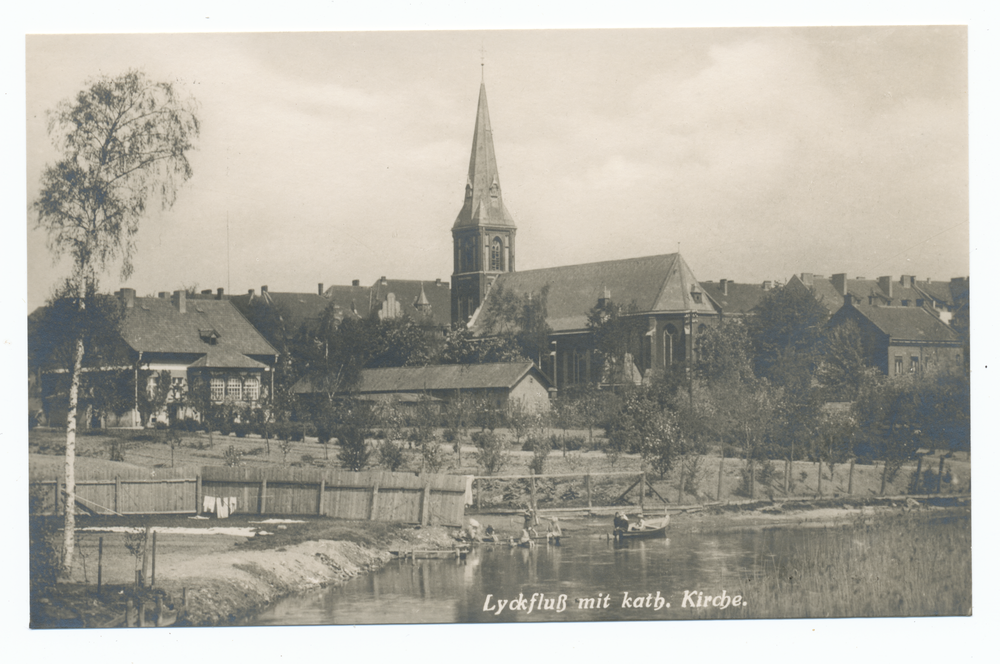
column 844, row 366
column 519, row 322
column 493, row 452
column 786, row 331
column 617, row 334
column 353, row 431
column 124, row 143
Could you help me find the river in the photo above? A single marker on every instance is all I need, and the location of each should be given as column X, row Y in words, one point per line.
column 586, row 578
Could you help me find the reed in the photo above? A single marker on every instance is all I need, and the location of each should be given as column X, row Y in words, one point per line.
column 892, row 565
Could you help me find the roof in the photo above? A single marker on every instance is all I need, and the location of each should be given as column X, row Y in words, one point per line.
column 439, row 377
column 228, row 358
column 657, row 284
column 908, row 323
column 354, row 299
column 408, row 292
column 739, row 298
column 155, row 325
column 483, row 204
column 862, row 289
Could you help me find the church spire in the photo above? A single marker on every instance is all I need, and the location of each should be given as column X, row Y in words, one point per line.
column 483, row 204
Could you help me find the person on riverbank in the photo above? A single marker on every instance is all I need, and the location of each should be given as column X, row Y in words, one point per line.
column 555, row 531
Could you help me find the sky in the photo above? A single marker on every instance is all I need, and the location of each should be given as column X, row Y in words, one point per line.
column 326, row 157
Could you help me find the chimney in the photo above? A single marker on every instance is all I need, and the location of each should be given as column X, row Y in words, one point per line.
column 766, row 285
column 437, row 283
column 163, row 295
column 848, row 301
column 263, row 289
column 250, row 293
column 724, row 286
column 885, row 283
column 180, row 298
column 806, row 278
column 839, row 282
column 207, row 292
column 605, row 298
column 382, row 281
column 128, row 297
column 906, row 281
column 219, row 292
column 356, row 282
column 319, row 288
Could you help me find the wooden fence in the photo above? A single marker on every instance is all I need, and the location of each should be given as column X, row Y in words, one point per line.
column 373, row 495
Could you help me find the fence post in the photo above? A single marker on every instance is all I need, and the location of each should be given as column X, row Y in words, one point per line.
column 374, row 503
column 533, row 505
column 819, row 482
column 198, row 500
column 850, row 479
column 142, row 614
column 118, row 491
column 680, row 483
column 425, row 505
column 788, row 473
column 722, row 463
column 642, row 493
column 940, row 472
column 590, row 503
column 322, row 492
column 263, row 496
column 885, row 472
column 916, row 482
column 56, row 504
column 129, row 613
column 479, row 490
column 100, row 562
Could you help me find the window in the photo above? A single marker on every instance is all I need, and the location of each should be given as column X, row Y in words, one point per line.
column 252, row 387
column 899, row 364
column 914, row 364
column 496, row 254
column 218, row 389
column 669, row 332
column 235, row 389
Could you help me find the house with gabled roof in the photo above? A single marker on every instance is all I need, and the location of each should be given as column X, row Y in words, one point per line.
column 501, row 383
column 193, row 340
column 736, row 300
column 902, row 340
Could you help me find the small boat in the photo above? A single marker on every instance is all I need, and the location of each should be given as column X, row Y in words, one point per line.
column 652, row 530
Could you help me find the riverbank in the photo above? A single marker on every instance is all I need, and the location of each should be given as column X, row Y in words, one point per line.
column 224, row 572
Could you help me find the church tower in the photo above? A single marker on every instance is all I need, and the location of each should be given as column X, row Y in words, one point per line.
column 483, row 233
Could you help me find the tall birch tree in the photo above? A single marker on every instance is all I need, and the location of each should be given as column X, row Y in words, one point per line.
column 124, row 142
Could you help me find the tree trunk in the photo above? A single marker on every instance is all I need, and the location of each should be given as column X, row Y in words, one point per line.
column 69, row 526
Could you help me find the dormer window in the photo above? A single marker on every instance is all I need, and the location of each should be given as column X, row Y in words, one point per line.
column 468, row 190
column 696, row 296
column 209, row 336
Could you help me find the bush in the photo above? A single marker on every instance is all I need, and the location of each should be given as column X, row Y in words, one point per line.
column 242, row 429
column 766, row 474
column 540, row 448
column 391, row 455
column 233, row 457
column 354, row 449
column 494, row 452
column 432, row 456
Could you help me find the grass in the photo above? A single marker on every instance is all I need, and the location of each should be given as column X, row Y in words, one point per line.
column 891, row 565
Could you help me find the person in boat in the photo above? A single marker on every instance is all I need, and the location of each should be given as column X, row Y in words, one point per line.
column 555, row 531
column 640, row 523
column 621, row 522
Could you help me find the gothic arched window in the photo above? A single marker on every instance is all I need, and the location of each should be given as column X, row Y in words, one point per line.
column 496, row 254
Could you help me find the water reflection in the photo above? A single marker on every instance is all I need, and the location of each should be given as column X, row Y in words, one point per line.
column 587, row 567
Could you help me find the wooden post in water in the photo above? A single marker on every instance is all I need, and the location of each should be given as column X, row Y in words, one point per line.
column 142, row 614
column 263, row 496
column 940, row 473
column 916, row 481
column 118, row 491
column 145, row 559
column 152, row 576
column 722, row 463
column 642, row 492
column 100, row 562
column 322, row 492
column 198, row 500
column 374, row 503
column 129, row 613
column 850, row 479
column 590, row 503
column 159, row 610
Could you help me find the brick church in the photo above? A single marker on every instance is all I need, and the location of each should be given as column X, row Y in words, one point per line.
column 665, row 292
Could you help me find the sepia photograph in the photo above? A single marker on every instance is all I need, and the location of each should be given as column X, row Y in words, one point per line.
column 456, row 327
